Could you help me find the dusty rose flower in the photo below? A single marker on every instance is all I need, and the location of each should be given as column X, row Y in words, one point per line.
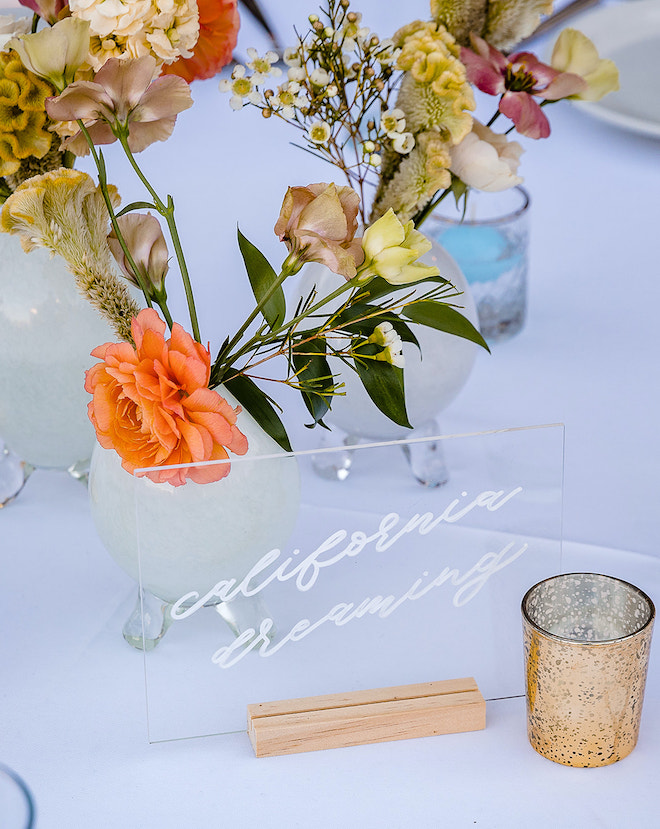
column 152, row 404
column 486, row 160
column 318, row 223
column 517, row 78
column 218, row 31
column 144, row 237
column 122, row 93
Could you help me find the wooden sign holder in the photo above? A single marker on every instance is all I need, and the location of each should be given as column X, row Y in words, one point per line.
column 373, row 716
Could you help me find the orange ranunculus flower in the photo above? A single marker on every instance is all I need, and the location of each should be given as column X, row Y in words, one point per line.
column 152, row 404
column 218, row 30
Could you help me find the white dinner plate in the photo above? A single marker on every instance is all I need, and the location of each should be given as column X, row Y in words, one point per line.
column 629, row 34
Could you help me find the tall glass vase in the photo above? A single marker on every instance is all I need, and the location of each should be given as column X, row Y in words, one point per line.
column 47, row 331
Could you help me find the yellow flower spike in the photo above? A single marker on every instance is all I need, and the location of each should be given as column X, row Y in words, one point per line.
column 574, row 52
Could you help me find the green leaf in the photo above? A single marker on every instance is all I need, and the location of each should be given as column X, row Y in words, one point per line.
column 384, row 385
column 315, row 378
column 262, row 278
column 136, row 205
column 443, row 317
column 257, row 403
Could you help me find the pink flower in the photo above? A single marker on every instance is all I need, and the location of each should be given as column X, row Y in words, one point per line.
column 318, row 223
column 48, row 9
column 123, row 93
column 152, row 404
column 517, row 78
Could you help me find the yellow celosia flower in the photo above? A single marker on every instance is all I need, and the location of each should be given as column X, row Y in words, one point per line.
column 391, row 251
column 23, row 120
column 64, row 211
column 419, row 176
column 574, row 52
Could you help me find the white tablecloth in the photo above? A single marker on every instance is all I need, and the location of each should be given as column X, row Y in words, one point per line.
column 72, row 709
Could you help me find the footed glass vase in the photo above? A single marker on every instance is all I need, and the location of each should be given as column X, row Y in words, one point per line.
column 178, row 540
column 433, row 377
column 47, row 331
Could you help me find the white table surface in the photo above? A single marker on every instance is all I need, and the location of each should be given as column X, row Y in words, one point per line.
column 71, row 693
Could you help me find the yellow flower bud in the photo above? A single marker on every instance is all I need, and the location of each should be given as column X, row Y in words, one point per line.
column 392, row 250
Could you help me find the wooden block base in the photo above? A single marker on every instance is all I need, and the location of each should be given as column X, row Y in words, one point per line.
column 373, row 716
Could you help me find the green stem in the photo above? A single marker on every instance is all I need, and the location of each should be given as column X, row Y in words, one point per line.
column 260, row 341
column 167, row 211
column 493, row 119
column 103, row 184
column 287, row 270
column 429, row 208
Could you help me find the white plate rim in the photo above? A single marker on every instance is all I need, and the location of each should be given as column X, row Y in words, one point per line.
column 611, row 27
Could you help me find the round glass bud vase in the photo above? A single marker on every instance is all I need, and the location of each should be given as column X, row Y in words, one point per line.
column 434, row 374
column 490, row 243
column 195, row 535
column 47, row 331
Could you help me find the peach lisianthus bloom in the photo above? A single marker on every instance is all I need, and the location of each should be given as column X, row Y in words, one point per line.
column 318, row 223
column 152, row 404
column 218, row 32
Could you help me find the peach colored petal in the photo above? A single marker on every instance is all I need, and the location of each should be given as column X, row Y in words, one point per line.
column 152, row 404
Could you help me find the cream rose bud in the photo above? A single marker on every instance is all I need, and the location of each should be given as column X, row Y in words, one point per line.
column 574, row 52
column 391, row 251
column 486, row 160
column 318, row 223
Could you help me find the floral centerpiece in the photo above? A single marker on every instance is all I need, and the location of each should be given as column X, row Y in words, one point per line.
column 396, row 113
column 95, row 80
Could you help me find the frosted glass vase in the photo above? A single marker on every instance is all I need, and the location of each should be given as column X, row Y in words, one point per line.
column 432, row 378
column 47, row 331
column 192, row 536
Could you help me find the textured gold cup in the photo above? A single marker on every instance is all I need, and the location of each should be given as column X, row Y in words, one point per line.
column 587, row 639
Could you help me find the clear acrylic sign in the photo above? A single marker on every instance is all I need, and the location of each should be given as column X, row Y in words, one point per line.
column 278, row 583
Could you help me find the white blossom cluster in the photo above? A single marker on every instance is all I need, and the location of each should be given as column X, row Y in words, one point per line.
column 166, row 29
column 338, row 79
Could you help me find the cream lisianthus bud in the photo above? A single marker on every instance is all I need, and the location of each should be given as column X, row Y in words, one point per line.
column 574, row 52
column 146, row 243
column 392, row 250
column 486, row 160
column 56, row 52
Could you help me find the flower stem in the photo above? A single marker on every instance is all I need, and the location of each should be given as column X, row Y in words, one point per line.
column 103, row 184
column 167, row 211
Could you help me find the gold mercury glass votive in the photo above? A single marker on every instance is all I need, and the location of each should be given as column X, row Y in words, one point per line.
column 587, row 640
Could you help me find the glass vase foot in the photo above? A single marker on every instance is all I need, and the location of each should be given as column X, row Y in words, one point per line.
column 426, row 459
column 245, row 613
column 14, row 472
column 148, row 622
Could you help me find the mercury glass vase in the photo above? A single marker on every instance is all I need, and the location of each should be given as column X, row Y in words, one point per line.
column 174, row 540
column 47, row 331
column 434, row 375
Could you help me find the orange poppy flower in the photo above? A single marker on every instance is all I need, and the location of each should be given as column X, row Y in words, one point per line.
column 152, row 404
column 218, row 30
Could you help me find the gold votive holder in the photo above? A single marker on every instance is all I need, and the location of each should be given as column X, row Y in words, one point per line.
column 587, row 639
